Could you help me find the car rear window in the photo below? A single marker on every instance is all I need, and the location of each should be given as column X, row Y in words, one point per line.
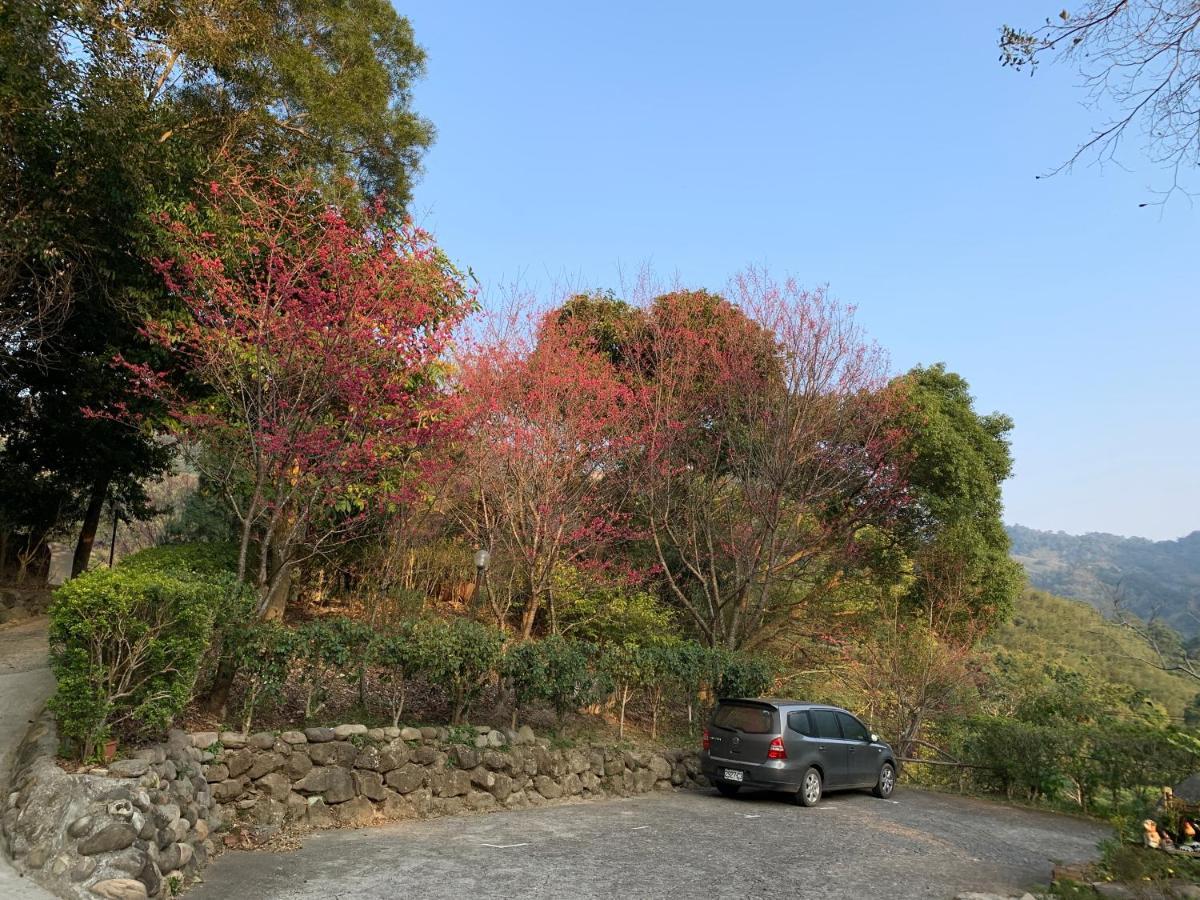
column 745, row 718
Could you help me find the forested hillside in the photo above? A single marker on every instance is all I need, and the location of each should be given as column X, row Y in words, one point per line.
column 1050, row 630
column 1153, row 579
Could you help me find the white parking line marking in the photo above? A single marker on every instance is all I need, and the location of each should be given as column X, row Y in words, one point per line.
column 755, row 816
column 639, row 827
column 504, row 846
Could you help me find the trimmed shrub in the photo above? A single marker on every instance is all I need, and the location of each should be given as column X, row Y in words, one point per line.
column 397, row 657
column 666, row 670
column 125, row 647
column 627, row 668
column 328, row 649
column 263, row 654
column 553, row 671
column 691, row 666
column 196, row 559
column 216, row 563
column 1018, row 757
column 460, row 655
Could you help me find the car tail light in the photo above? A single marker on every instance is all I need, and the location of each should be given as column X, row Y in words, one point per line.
column 776, row 750
column 705, row 739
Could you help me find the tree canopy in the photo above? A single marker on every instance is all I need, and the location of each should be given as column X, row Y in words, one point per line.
column 1141, row 57
column 107, row 112
column 956, row 462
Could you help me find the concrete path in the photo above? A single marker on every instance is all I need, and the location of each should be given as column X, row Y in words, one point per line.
column 687, row 844
column 25, row 685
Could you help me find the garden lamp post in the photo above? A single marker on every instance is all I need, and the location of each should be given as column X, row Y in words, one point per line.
column 118, row 515
column 482, row 560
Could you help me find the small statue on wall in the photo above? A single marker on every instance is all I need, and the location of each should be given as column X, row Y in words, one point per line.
column 1150, row 835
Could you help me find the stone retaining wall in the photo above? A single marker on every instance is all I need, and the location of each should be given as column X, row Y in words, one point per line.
column 129, row 831
column 144, row 824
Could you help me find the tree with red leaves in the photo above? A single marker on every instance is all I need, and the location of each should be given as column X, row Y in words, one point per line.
column 767, row 447
column 548, row 424
column 319, row 337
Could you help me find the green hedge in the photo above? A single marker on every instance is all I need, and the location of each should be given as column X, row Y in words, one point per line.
column 214, row 563
column 264, row 654
column 460, row 655
column 207, row 560
column 553, row 671
column 397, row 660
column 328, row 649
column 126, row 647
column 1079, row 761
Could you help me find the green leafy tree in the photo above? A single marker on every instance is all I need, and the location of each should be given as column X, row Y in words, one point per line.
column 609, row 324
column 1191, row 715
column 740, row 674
column 1018, row 757
column 667, row 668
column 957, row 462
column 606, row 610
column 691, row 667
column 628, row 668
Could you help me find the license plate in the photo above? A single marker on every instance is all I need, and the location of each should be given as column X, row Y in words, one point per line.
column 734, row 775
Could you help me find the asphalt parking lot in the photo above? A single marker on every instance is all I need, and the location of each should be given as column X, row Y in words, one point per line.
column 685, row 844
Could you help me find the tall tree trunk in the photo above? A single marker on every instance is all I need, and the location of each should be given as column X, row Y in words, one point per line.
column 529, row 616
column 91, row 521
column 217, row 699
column 278, row 589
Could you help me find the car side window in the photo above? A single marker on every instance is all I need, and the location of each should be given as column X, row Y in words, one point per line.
column 798, row 722
column 853, row 729
column 825, row 723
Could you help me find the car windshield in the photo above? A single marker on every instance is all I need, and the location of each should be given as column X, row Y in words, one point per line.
column 745, row 718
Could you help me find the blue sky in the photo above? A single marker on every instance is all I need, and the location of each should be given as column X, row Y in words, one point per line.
column 884, row 153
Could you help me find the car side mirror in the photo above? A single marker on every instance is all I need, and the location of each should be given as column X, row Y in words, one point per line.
column 874, row 738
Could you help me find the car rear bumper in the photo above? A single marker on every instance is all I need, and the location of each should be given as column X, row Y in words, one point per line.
column 773, row 776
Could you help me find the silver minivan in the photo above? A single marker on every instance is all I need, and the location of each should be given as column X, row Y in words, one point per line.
column 802, row 749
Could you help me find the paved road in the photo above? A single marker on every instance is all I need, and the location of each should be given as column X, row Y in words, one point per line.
column 25, row 684
column 687, row 844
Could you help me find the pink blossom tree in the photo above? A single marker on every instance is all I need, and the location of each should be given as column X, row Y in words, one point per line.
column 548, row 425
column 318, row 336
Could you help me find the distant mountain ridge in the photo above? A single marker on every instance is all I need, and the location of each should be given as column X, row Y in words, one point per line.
column 1153, row 579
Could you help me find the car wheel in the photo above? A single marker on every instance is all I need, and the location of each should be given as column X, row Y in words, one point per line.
column 728, row 790
column 886, row 783
column 810, row 788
